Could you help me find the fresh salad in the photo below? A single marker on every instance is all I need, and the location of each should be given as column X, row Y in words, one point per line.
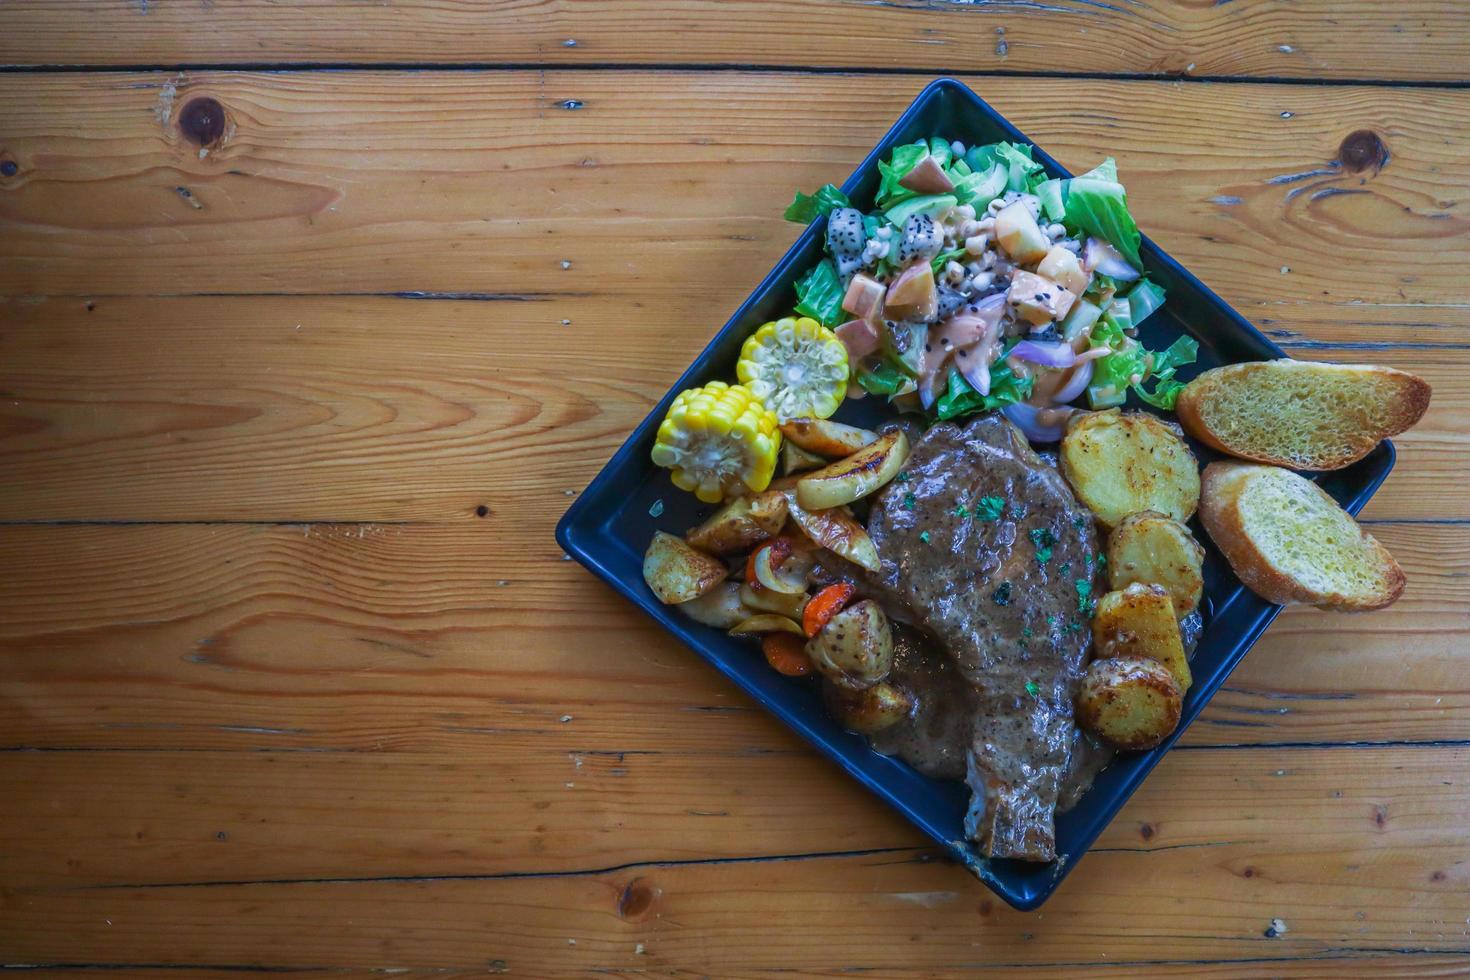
column 975, row 283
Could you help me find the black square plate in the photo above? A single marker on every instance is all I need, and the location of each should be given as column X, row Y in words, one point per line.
column 610, row 525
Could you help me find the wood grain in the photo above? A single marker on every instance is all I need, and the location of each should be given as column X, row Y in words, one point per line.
column 276, row 696
column 1308, row 39
column 665, row 189
column 380, row 409
column 1215, row 846
column 468, row 639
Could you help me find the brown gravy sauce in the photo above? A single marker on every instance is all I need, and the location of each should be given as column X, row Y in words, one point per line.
column 936, row 735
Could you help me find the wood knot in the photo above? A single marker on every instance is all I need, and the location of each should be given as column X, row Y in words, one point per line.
column 1248, row 873
column 482, row 511
column 1146, row 831
column 9, row 168
column 636, row 899
column 1437, row 876
column 1363, row 149
column 202, row 121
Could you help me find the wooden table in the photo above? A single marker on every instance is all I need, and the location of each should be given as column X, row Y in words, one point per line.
column 316, row 317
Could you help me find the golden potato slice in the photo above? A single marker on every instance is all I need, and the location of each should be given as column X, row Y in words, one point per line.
column 676, row 572
column 1152, row 548
column 732, row 528
column 1139, row 623
column 1120, row 464
column 794, row 459
column 869, row 712
column 720, row 607
column 1131, row 704
column 837, row 531
column 856, row 476
column 855, row 648
column 779, row 603
column 768, row 509
column 827, row 438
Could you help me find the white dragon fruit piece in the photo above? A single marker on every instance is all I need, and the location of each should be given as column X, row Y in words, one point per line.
column 922, row 239
column 846, row 239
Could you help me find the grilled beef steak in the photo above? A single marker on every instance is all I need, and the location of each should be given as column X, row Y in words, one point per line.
column 985, row 549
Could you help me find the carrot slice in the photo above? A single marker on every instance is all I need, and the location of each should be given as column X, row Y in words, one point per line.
column 787, row 654
column 824, row 605
column 780, row 551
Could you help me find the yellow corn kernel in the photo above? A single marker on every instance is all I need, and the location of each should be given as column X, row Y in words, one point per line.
column 718, row 441
column 795, row 367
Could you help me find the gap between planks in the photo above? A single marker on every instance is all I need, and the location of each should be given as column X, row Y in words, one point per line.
column 287, row 67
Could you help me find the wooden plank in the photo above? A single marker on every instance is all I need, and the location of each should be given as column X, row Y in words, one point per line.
column 367, row 408
column 472, row 639
column 1312, row 39
column 1397, row 964
column 666, row 188
column 1214, row 849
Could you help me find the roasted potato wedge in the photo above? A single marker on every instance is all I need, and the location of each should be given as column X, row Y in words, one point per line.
column 676, row 572
column 1119, row 464
column 855, row 649
column 871, row 711
column 1131, row 704
column 733, row 528
column 837, row 531
column 1138, row 623
column 720, row 607
column 766, row 623
column 794, row 459
column 825, row 437
column 764, row 600
column 856, row 476
column 1151, row 548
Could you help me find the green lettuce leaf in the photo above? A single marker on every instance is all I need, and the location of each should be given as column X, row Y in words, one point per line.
column 894, row 169
column 1050, row 192
column 1017, row 158
column 1166, row 390
column 881, row 378
column 809, row 207
column 1098, row 206
column 899, row 213
column 981, row 187
column 819, row 294
column 960, row 399
column 940, row 150
column 1143, row 299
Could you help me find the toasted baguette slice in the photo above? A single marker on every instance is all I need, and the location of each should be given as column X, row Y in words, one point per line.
column 1300, row 414
column 1290, row 542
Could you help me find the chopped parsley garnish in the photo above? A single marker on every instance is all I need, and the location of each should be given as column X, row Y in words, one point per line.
column 1085, row 602
column 908, row 501
column 924, row 536
column 1079, row 522
column 1043, row 539
column 1051, row 620
column 1033, row 688
column 1102, row 560
column 1026, row 632
column 1066, row 567
column 1002, row 595
column 961, row 511
column 903, row 476
column 989, row 508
